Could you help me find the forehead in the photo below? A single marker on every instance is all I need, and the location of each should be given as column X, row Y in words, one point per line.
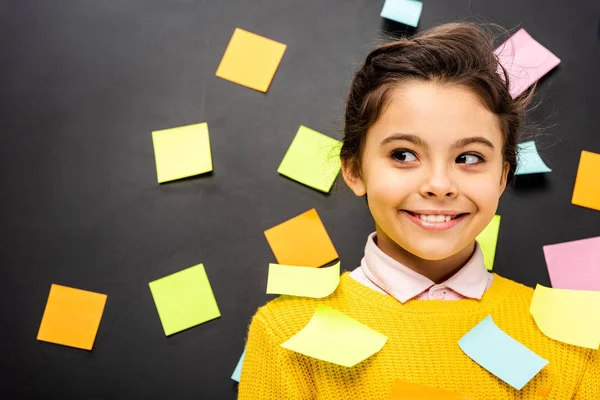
column 440, row 114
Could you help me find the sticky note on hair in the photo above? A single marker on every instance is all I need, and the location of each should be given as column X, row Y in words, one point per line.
column 525, row 61
column 529, row 160
column 403, row 390
column 586, row 192
column 569, row 316
column 250, row 60
column 303, row 281
column 72, row 317
column 500, row 354
column 184, row 299
column 301, row 240
column 575, row 264
column 237, row 372
column 407, row 12
column 336, row 338
column 312, row 159
column 488, row 239
column 182, row 152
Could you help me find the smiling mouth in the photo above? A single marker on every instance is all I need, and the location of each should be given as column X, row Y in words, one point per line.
column 436, row 218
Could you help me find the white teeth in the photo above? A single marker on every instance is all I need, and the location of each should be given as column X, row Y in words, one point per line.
column 435, row 218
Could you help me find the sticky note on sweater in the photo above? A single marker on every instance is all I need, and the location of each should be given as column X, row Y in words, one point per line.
column 303, row 281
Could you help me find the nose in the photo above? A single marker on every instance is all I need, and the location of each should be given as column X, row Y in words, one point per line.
column 438, row 184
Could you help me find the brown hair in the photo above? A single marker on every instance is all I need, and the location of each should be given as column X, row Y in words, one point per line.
column 454, row 53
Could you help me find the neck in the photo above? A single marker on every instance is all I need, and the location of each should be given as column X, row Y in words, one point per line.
column 436, row 270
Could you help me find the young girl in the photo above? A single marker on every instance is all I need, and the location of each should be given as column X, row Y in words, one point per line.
column 430, row 140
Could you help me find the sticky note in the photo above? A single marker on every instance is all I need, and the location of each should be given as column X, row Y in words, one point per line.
column 403, row 390
column 574, row 264
column 569, row 316
column 250, row 60
column 237, row 372
column 336, row 338
column 500, row 354
column 303, row 281
column 182, row 152
column 587, row 184
column 71, row 317
column 312, row 159
column 525, row 60
column 184, row 299
column 301, row 240
column 487, row 239
column 406, row 12
column 529, row 160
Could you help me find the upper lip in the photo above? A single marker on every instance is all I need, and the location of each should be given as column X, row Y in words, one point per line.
column 437, row 212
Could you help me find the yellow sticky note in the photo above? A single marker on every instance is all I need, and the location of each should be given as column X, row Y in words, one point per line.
column 587, row 184
column 250, row 60
column 182, row 152
column 403, row 390
column 569, row 316
column 72, row 317
column 334, row 337
column 487, row 239
column 303, row 281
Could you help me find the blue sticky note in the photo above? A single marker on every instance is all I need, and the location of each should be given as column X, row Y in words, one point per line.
column 529, row 160
column 237, row 372
column 500, row 354
column 406, row 12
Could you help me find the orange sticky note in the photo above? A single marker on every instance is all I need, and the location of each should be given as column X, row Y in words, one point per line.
column 302, row 240
column 587, row 184
column 72, row 317
column 250, row 60
column 403, row 390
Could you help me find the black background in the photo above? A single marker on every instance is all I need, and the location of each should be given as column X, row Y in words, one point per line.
column 85, row 82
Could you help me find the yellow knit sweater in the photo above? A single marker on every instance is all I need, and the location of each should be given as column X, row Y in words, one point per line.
column 422, row 348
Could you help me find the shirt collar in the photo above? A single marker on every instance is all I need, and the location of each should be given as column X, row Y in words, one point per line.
column 404, row 284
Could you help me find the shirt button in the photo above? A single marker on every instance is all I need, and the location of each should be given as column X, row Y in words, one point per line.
column 439, row 295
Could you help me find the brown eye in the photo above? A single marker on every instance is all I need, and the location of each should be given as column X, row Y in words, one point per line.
column 404, row 156
column 469, row 159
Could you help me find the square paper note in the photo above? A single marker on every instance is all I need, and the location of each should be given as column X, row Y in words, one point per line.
column 312, row 159
column 301, row 240
column 182, row 152
column 72, row 317
column 184, row 299
column 587, row 184
column 251, row 60
column 406, row 12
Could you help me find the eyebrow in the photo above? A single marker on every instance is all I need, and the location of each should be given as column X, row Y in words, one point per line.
column 414, row 139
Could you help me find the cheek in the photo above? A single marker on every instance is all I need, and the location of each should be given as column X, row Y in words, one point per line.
column 484, row 192
column 389, row 187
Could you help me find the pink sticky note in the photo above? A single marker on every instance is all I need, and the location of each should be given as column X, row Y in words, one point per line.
column 574, row 265
column 525, row 60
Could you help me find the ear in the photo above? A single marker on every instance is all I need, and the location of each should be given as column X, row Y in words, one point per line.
column 504, row 178
column 352, row 179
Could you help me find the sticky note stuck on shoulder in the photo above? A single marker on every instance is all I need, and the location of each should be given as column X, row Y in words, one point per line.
column 500, row 354
column 301, row 240
column 529, row 160
column 407, row 12
column 303, row 281
column 237, row 372
column 488, row 239
column 575, row 264
column 184, row 299
column 334, row 337
column 312, row 159
column 403, row 390
column 569, row 316
column 182, row 152
column 251, row 60
column 72, row 317
column 586, row 192
column 525, row 61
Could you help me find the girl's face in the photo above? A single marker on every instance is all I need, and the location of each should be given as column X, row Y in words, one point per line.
column 432, row 169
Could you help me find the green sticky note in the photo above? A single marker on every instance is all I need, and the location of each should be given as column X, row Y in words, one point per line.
column 312, row 159
column 182, row 152
column 487, row 239
column 303, row 281
column 334, row 337
column 529, row 160
column 184, row 299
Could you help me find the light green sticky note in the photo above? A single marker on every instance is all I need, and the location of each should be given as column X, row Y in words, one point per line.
column 334, row 337
column 312, row 159
column 487, row 239
column 303, row 281
column 182, row 152
column 184, row 299
column 529, row 160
